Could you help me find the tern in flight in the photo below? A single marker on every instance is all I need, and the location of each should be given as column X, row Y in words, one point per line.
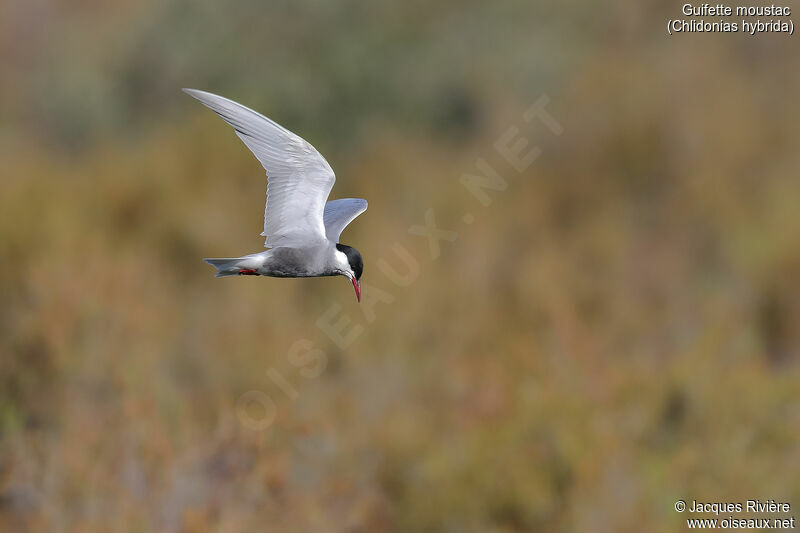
column 301, row 229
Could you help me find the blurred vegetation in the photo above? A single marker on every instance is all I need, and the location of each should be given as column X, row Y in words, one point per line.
column 617, row 331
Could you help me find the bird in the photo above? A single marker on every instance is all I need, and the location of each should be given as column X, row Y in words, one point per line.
column 301, row 228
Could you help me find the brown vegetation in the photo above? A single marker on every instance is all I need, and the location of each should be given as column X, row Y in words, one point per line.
column 617, row 330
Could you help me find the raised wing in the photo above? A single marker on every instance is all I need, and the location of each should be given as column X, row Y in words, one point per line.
column 299, row 177
column 339, row 213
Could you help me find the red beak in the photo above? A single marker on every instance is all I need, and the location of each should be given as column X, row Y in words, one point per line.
column 357, row 287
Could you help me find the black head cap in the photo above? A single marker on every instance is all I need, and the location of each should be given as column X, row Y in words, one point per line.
column 354, row 258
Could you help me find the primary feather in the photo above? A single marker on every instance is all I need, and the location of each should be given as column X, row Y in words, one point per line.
column 339, row 213
column 299, row 178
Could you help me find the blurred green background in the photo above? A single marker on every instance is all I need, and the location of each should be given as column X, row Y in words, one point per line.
column 617, row 330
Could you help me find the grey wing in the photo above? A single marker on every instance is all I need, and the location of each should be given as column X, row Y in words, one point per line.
column 339, row 213
column 300, row 179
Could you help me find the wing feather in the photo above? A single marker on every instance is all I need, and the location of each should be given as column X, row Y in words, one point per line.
column 299, row 178
column 339, row 213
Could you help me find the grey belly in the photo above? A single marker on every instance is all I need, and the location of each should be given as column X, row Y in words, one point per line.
column 290, row 263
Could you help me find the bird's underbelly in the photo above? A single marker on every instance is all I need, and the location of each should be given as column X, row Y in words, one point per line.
column 290, row 263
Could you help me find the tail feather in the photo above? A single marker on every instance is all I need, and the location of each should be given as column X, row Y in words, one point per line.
column 226, row 266
column 233, row 266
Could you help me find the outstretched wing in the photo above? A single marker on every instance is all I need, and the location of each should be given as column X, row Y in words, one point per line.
column 299, row 177
column 339, row 213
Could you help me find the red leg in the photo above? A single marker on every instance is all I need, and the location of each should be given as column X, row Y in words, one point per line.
column 248, row 272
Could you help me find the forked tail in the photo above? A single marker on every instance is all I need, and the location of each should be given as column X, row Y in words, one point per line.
column 225, row 266
column 234, row 266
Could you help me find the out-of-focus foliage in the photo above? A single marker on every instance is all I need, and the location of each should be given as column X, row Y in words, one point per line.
column 617, row 330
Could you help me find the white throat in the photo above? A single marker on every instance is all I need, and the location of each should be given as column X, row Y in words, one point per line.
column 341, row 262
